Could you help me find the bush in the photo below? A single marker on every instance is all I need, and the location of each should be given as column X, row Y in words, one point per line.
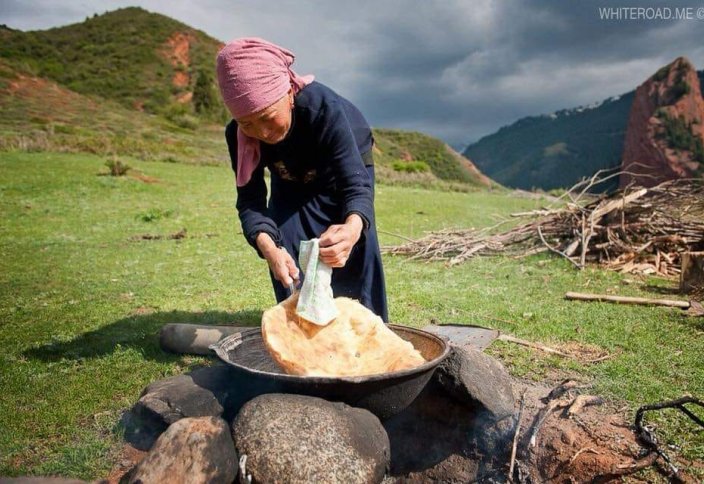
column 680, row 89
column 117, row 168
column 679, row 136
column 181, row 115
column 154, row 214
column 661, row 74
column 411, row 166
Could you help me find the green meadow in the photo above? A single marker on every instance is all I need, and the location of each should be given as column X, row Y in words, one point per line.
column 84, row 296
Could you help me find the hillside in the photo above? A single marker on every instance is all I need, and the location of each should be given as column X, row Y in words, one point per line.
column 37, row 114
column 556, row 150
column 141, row 59
column 410, row 155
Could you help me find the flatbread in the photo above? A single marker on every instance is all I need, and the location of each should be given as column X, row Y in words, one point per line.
column 355, row 343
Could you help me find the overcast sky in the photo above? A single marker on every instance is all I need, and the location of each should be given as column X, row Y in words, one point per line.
column 455, row 69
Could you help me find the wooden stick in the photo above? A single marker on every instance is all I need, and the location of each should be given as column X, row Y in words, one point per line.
column 582, row 401
column 542, row 417
column 580, row 296
column 580, row 452
column 515, row 436
column 386, row 232
column 530, row 344
column 552, row 249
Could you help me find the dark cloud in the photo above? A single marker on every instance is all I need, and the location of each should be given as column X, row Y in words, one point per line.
column 455, row 69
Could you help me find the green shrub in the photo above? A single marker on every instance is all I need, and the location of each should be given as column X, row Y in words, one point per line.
column 154, row 214
column 117, row 167
column 680, row 89
column 411, row 166
column 661, row 73
column 679, row 136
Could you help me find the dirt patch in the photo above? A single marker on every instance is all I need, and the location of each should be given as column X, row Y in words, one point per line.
column 585, row 353
column 127, row 458
column 181, row 234
column 589, row 444
column 177, row 51
column 142, row 177
column 185, row 97
column 142, row 310
column 406, row 155
column 438, row 440
column 52, row 94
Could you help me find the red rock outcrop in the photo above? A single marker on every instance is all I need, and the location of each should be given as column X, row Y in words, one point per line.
column 672, row 95
column 177, row 50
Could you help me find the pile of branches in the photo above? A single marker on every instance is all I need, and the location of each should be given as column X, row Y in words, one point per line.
column 637, row 230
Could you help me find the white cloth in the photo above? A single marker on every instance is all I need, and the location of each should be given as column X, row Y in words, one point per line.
column 315, row 302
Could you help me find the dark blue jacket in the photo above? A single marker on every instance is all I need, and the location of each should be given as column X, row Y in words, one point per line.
column 325, row 150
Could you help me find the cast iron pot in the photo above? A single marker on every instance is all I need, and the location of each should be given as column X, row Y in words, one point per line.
column 383, row 394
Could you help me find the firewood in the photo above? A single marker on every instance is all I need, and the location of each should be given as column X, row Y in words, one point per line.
column 635, row 231
column 627, row 300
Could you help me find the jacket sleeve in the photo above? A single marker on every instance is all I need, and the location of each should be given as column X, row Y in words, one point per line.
column 251, row 199
column 351, row 177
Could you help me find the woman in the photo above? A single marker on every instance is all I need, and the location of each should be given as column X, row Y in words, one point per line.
column 318, row 148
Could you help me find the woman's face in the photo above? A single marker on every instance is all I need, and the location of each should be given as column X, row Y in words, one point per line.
column 271, row 124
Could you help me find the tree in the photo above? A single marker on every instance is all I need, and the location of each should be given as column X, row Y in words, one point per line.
column 205, row 99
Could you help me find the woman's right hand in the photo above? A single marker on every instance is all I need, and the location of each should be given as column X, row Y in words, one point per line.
column 280, row 262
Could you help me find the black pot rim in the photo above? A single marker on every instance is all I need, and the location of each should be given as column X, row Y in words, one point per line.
column 318, row 380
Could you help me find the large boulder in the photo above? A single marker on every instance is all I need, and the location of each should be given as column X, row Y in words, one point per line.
column 477, row 380
column 216, row 391
column 177, row 397
column 193, row 451
column 295, row 438
column 202, row 393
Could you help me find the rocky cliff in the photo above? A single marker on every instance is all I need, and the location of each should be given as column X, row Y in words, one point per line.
column 665, row 133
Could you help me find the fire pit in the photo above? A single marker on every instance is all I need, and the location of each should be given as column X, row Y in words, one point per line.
column 384, row 395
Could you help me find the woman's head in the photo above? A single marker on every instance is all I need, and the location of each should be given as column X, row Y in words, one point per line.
column 253, row 74
column 257, row 85
column 271, row 124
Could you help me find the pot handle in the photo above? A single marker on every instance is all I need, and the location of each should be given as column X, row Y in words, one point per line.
column 228, row 343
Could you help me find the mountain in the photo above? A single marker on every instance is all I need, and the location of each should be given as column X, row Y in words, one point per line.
column 138, row 84
column 665, row 134
column 141, row 59
column 556, row 150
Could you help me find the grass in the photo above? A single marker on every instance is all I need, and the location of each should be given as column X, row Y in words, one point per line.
column 82, row 303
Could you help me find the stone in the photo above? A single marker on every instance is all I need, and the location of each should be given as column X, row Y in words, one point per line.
column 193, row 451
column 203, row 392
column 296, row 438
column 477, row 380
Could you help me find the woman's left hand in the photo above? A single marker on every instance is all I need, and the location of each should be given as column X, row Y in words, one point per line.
column 337, row 241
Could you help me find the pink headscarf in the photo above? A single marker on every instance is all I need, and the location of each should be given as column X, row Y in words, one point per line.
column 253, row 74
